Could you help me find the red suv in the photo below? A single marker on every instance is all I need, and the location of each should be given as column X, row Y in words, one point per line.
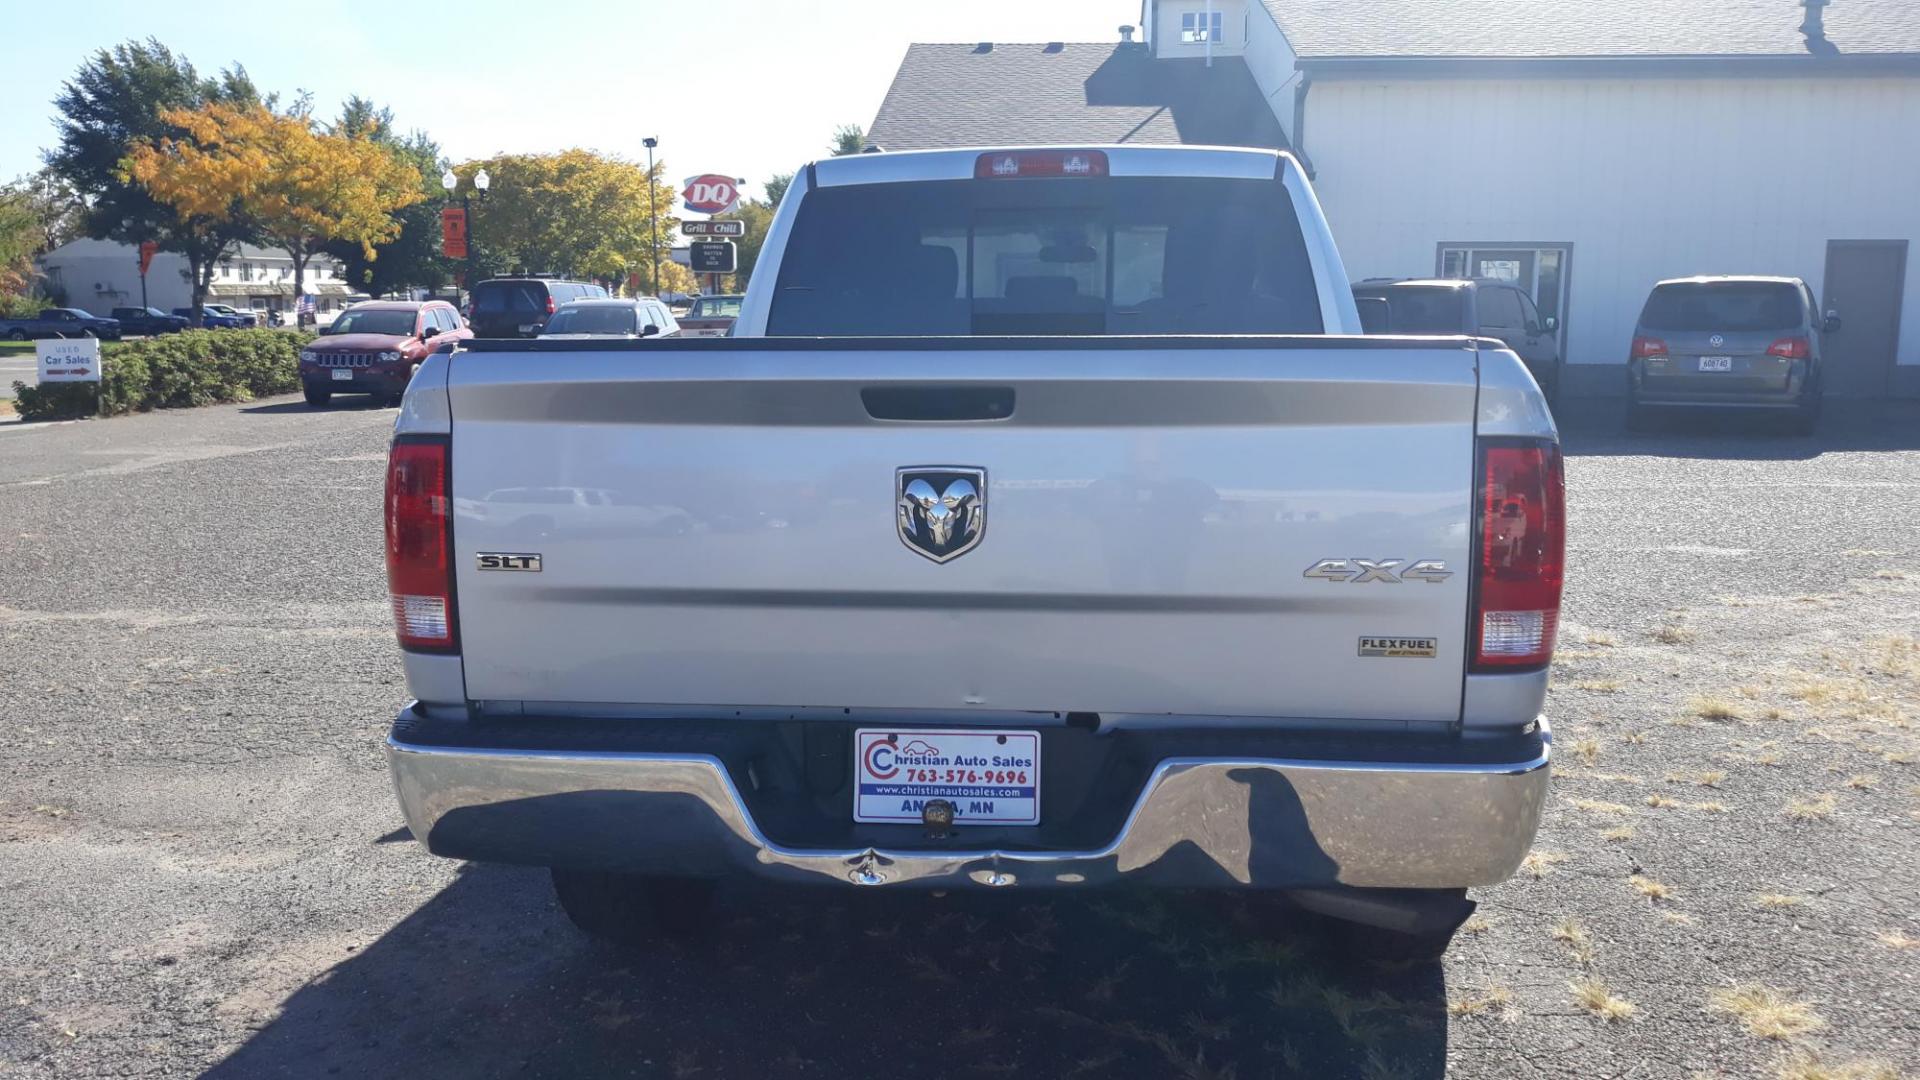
column 372, row 348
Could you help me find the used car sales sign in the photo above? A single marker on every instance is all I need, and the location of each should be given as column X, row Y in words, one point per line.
column 68, row 359
column 990, row 777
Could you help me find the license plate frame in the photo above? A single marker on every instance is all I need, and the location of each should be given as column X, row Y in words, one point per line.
column 1716, row 363
column 341, row 374
column 978, row 770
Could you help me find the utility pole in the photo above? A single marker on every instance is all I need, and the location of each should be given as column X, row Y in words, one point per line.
column 654, row 213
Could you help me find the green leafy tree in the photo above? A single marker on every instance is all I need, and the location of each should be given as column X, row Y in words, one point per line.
column 412, row 258
column 57, row 210
column 19, row 240
column 777, row 187
column 575, row 212
column 847, row 139
column 112, row 104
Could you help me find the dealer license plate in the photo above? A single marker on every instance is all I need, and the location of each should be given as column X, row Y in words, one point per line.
column 341, row 374
column 990, row 777
column 1716, row 363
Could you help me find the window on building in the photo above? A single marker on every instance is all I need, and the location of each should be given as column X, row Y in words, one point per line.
column 1199, row 26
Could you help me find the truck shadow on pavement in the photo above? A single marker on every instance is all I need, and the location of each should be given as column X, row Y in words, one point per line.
column 489, row 979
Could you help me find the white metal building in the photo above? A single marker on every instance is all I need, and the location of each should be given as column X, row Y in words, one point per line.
column 1587, row 150
column 100, row 275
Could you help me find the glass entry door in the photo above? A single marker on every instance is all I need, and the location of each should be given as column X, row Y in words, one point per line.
column 1541, row 269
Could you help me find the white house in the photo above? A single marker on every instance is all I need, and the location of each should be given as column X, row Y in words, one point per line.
column 1585, row 149
column 100, row 275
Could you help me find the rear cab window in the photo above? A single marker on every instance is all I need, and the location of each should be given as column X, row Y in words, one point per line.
column 509, row 297
column 1735, row 306
column 1423, row 309
column 1108, row 255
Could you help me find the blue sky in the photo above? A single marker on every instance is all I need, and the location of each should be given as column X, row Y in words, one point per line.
column 739, row 87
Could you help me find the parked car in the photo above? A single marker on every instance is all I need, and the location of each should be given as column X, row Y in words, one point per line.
column 1486, row 308
column 244, row 318
column 622, row 317
column 149, row 320
column 520, row 307
column 1730, row 342
column 66, row 322
column 1248, row 609
column 212, row 319
column 374, row 347
column 710, row 316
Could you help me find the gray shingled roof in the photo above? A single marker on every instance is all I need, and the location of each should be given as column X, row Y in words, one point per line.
column 1324, row 29
column 1073, row 94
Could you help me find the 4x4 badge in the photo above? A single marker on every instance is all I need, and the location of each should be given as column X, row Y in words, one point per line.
column 1361, row 571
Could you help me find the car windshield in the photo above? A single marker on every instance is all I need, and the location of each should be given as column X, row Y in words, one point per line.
column 394, row 323
column 1423, row 309
column 1724, row 305
column 593, row 319
column 1124, row 255
column 715, row 307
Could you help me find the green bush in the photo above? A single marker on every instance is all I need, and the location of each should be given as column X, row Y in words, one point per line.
column 175, row 371
column 19, row 306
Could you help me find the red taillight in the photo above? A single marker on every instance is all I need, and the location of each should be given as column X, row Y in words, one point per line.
column 1644, row 347
column 1791, row 348
column 1523, row 544
column 551, row 306
column 1014, row 164
column 419, row 544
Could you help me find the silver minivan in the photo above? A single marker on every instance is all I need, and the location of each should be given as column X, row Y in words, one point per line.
column 1720, row 342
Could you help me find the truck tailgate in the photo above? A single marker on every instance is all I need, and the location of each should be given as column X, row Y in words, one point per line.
column 717, row 524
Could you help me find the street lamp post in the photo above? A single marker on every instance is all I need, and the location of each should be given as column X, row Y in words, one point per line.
column 654, row 213
column 481, row 182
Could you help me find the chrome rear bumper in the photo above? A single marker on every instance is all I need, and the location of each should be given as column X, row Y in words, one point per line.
column 1269, row 823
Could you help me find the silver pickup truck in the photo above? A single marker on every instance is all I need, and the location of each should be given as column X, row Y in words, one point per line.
column 1044, row 524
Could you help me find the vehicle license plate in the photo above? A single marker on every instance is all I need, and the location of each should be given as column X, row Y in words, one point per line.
column 341, row 374
column 990, row 777
column 1716, row 363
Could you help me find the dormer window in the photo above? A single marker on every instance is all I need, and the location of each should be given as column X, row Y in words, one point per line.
column 1199, row 26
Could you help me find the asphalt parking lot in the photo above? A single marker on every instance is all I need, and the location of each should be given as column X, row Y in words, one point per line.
column 202, row 869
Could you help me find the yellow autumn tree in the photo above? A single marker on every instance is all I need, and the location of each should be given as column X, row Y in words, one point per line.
column 297, row 186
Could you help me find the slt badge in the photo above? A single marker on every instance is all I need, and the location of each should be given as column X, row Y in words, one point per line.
column 940, row 510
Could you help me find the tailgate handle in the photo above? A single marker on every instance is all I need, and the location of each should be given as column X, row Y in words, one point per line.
column 938, row 403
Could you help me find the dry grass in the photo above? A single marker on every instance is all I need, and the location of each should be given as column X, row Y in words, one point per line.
column 1600, row 638
column 1710, row 807
column 1596, row 686
column 1496, row 1001
column 1674, row 635
column 1710, row 778
column 1900, row 757
column 1811, row 1067
column 1617, row 778
column 1476, row 925
column 1890, row 575
column 1587, row 750
column 1818, row 808
column 1661, row 802
column 1767, row 1013
column 1649, row 888
column 1570, row 933
column 1680, row 917
column 1862, row 781
column 1596, row 806
column 1593, row 995
column 1538, row 864
column 1896, row 939
column 1713, row 708
column 1777, row 901
column 1618, row 835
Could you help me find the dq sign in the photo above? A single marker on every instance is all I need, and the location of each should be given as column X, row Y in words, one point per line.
column 711, row 194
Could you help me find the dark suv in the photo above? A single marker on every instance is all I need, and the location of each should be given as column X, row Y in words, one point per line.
column 1741, row 342
column 520, row 307
column 1477, row 308
column 373, row 347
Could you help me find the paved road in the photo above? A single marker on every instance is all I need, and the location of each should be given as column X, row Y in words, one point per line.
column 201, row 868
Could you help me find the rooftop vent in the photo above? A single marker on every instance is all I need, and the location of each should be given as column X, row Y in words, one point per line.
column 1814, row 27
column 983, row 47
column 1053, row 47
column 1126, row 34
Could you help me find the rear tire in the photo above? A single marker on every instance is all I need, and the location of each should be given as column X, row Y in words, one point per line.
column 630, row 909
column 16, row 335
column 317, row 398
